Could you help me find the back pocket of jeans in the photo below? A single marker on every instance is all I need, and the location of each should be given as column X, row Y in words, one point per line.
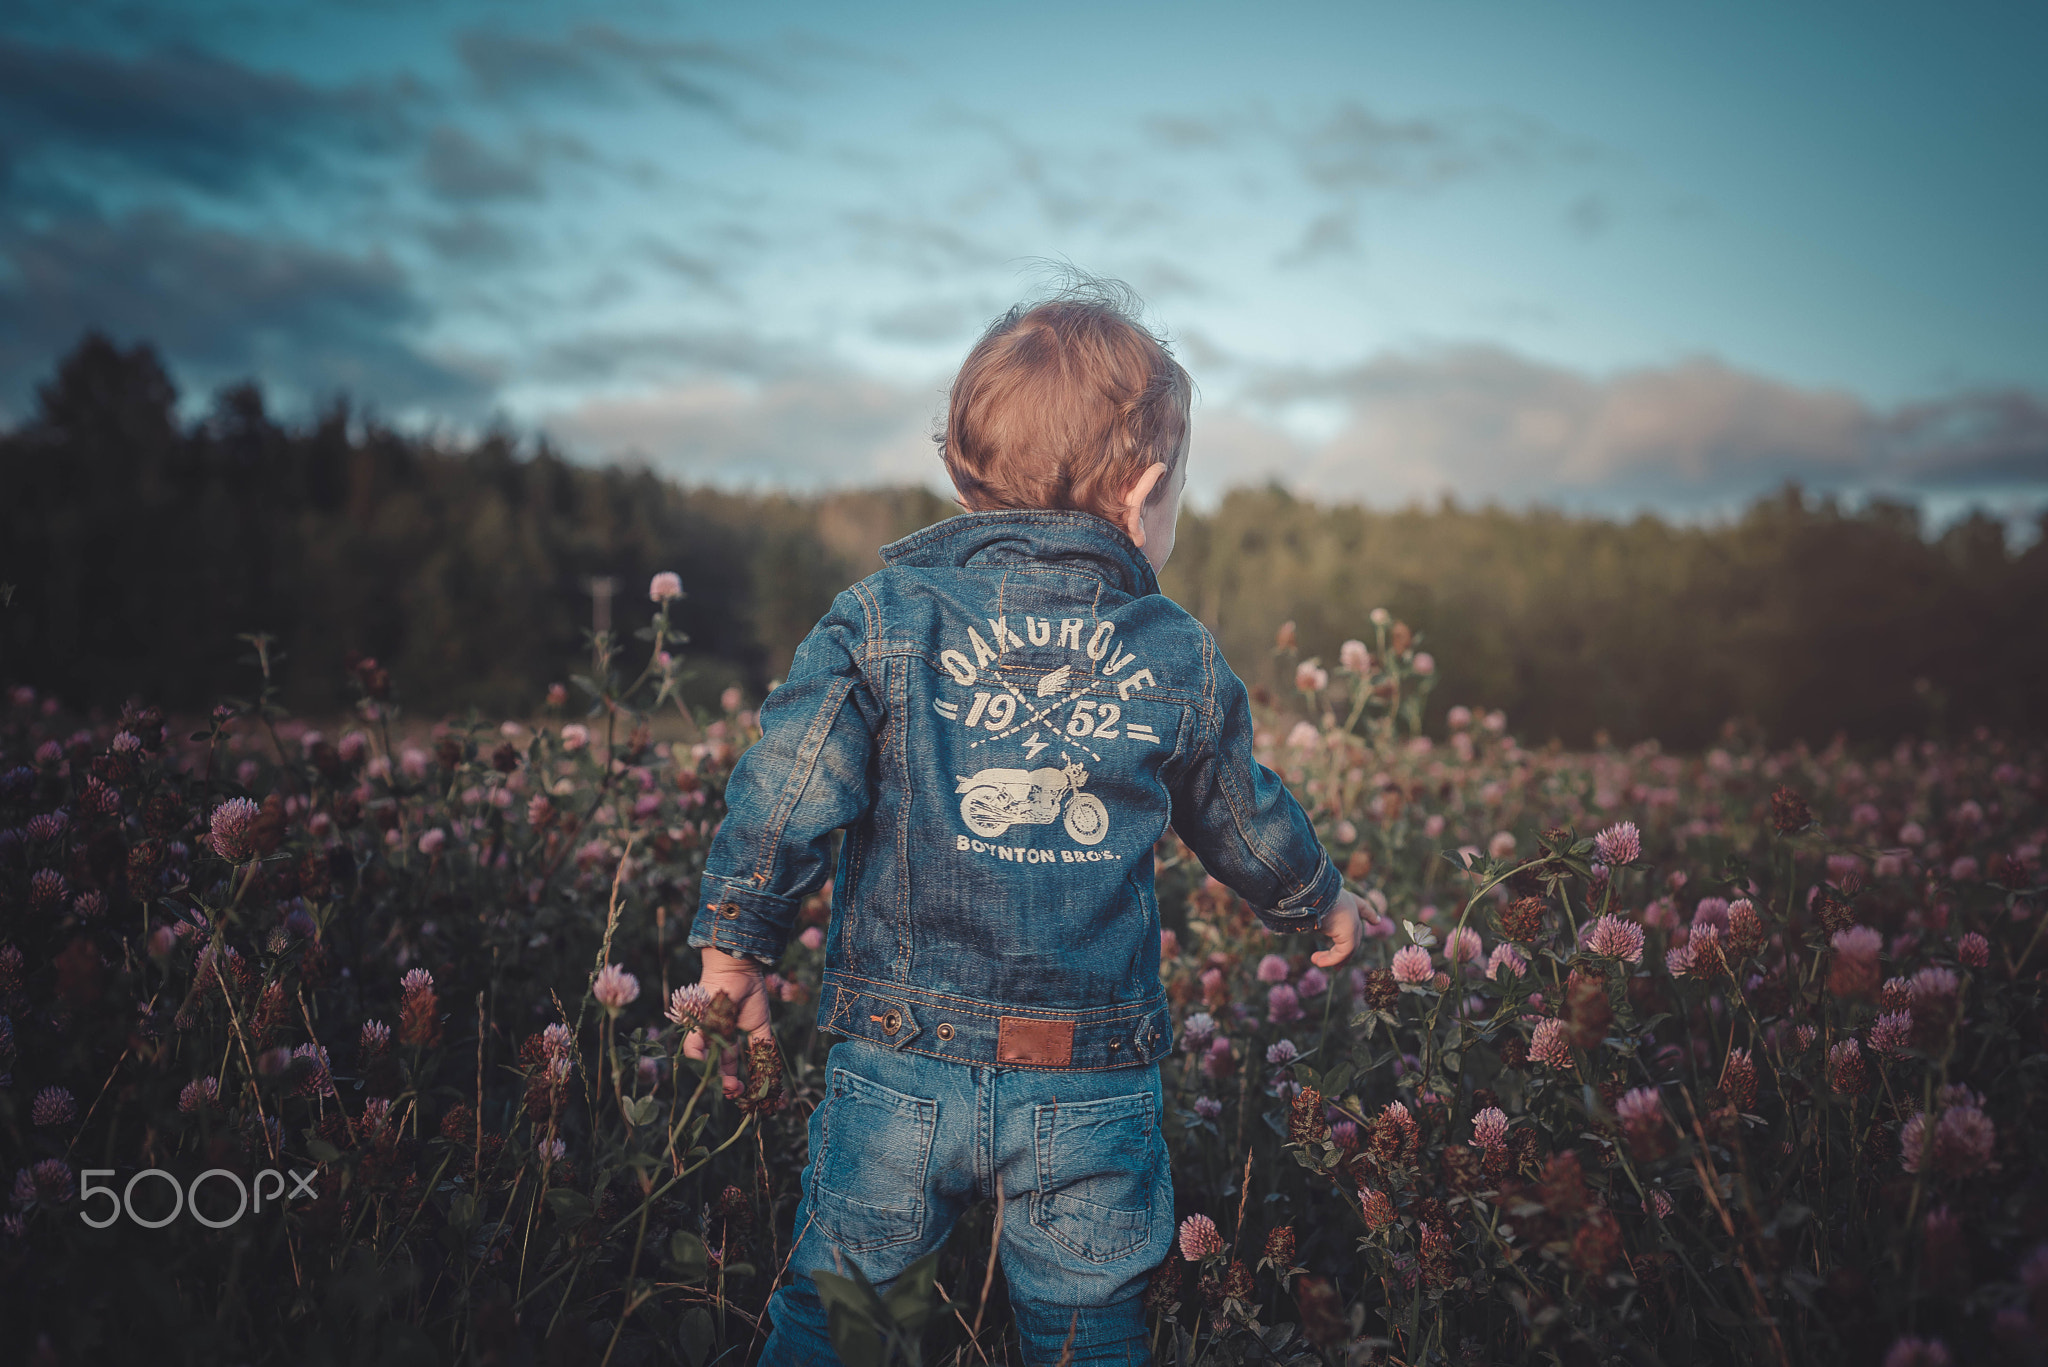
column 868, row 1178
column 1097, row 1164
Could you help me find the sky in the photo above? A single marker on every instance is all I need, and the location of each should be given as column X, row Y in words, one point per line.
column 1601, row 256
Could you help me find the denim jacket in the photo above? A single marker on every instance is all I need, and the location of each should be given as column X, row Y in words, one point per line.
column 1004, row 719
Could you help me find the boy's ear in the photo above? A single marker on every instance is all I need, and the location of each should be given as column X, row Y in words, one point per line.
column 1134, row 502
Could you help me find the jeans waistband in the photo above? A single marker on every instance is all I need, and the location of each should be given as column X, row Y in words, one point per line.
column 917, row 1020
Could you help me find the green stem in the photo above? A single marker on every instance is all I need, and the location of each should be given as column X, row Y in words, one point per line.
column 1430, row 1035
column 656, row 1193
column 421, row 1204
column 630, row 1304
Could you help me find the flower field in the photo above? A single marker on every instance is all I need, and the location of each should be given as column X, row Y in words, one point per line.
column 362, row 1043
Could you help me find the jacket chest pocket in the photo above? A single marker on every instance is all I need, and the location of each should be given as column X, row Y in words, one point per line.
column 868, row 1179
column 1098, row 1165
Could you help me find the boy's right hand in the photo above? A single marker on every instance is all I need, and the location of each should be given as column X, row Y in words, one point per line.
column 742, row 981
column 1340, row 923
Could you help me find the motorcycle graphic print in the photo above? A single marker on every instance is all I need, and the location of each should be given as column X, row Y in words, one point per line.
column 1079, row 709
column 996, row 799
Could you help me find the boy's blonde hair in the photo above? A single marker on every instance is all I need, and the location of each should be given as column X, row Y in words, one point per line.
column 1064, row 404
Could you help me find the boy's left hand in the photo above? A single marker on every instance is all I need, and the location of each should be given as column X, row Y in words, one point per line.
column 1340, row 923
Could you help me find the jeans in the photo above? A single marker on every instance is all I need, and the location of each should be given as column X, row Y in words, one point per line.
column 903, row 1144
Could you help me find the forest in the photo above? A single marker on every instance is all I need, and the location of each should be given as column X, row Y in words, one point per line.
column 137, row 546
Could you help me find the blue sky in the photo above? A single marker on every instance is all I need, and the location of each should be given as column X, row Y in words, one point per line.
column 1599, row 255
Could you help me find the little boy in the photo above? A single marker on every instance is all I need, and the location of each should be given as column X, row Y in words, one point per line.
column 1004, row 720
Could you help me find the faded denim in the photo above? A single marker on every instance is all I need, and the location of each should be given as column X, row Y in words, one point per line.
column 1004, row 719
column 903, row 1145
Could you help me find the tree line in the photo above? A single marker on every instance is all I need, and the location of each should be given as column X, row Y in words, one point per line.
column 139, row 546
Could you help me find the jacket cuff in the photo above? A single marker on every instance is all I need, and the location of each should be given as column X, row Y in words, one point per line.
column 1302, row 912
column 741, row 920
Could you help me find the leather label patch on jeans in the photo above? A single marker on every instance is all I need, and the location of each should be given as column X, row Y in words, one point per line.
column 1045, row 1044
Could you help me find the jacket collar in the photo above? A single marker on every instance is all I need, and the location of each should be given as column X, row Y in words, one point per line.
column 1078, row 541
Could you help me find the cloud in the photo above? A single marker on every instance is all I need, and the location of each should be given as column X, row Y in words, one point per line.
column 1350, row 146
column 817, row 430
column 1983, row 438
column 924, row 324
column 1353, row 147
column 592, row 60
column 611, row 356
column 128, row 186
column 1159, row 278
column 804, row 45
column 1108, row 186
column 1185, row 132
column 1486, row 424
column 510, row 64
column 223, row 305
column 470, row 239
column 176, row 115
column 1230, row 449
column 700, row 271
column 458, row 167
column 1327, row 234
column 1589, row 215
column 1479, row 423
column 927, row 246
